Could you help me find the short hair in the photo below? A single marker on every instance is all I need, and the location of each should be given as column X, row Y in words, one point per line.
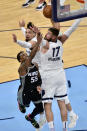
column 54, row 31
column 30, row 24
column 18, row 55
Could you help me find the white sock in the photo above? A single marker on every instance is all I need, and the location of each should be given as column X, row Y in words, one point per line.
column 64, row 125
column 51, row 125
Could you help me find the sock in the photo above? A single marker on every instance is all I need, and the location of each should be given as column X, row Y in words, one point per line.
column 64, row 125
column 51, row 126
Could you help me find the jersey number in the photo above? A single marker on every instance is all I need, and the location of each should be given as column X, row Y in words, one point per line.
column 34, row 79
column 56, row 51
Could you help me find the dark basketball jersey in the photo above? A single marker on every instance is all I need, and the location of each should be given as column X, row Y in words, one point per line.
column 31, row 79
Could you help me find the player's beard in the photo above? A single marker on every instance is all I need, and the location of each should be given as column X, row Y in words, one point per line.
column 48, row 39
column 26, row 40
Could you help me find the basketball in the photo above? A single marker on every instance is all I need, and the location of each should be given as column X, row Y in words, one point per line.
column 47, row 11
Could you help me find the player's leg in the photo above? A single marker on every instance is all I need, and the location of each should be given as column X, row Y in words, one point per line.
column 72, row 115
column 60, row 95
column 20, row 100
column 47, row 100
column 63, row 111
column 49, row 115
column 27, row 3
column 37, row 100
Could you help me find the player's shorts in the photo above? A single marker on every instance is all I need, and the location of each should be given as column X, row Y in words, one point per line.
column 24, row 98
column 55, row 85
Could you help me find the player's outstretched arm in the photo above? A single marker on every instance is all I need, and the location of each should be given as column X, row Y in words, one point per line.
column 22, row 26
column 22, row 43
column 69, row 31
column 34, row 50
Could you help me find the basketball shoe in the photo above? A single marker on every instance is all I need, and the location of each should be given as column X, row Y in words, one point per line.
column 28, row 3
column 73, row 120
column 41, row 6
column 32, row 120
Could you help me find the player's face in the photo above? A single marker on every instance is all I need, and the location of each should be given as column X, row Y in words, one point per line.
column 48, row 36
column 23, row 56
column 29, row 34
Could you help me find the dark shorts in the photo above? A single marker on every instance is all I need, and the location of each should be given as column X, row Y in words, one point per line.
column 25, row 97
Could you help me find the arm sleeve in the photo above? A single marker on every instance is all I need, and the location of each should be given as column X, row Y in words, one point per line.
column 72, row 28
column 24, row 44
column 23, row 30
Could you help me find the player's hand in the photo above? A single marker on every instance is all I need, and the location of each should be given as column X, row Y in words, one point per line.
column 39, row 37
column 14, row 37
column 35, row 29
column 39, row 89
column 22, row 23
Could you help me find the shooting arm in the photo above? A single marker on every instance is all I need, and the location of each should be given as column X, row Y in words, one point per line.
column 34, row 50
column 69, row 31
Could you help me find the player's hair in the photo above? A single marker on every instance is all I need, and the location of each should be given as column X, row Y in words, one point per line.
column 30, row 24
column 54, row 31
column 18, row 55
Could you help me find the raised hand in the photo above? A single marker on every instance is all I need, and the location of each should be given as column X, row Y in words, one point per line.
column 14, row 37
column 39, row 37
column 22, row 23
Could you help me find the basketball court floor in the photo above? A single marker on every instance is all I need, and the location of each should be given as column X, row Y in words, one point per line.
column 11, row 119
column 75, row 53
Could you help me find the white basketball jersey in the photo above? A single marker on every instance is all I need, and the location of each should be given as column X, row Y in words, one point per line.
column 52, row 59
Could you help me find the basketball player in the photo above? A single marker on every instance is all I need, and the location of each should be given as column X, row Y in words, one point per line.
column 32, row 41
column 53, row 75
column 30, row 83
column 73, row 117
column 42, row 4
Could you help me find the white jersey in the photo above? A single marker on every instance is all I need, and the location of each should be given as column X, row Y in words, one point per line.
column 52, row 59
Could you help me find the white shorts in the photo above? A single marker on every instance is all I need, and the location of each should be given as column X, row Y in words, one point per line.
column 55, row 85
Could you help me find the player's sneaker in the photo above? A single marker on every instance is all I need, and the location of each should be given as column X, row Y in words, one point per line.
column 28, row 3
column 73, row 120
column 41, row 6
column 33, row 121
column 22, row 108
